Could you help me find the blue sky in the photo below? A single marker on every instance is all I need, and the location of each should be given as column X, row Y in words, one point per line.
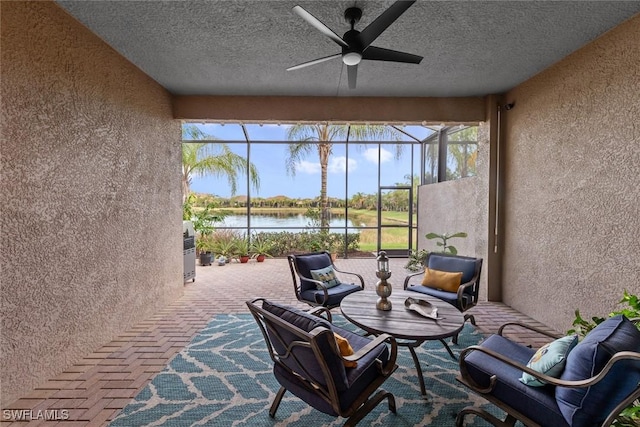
column 270, row 162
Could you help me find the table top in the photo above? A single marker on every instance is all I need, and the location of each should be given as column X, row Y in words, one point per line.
column 360, row 309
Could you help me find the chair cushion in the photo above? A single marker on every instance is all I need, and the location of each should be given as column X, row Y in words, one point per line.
column 336, row 294
column 446, row 263
column 450, row 297
column 537, row 403
column 591, row 405
column 550, row 359
column 444, row 280
column 326, row 275
column 306, row 263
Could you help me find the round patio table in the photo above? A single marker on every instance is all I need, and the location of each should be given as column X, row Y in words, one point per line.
column 408, row 327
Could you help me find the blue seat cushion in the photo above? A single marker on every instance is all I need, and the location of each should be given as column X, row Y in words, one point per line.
column 450, row 297
column 336, row 294
column 306, row 263
column 537, row 403
column 358, row 378
column 590, row 406
column 451, row 264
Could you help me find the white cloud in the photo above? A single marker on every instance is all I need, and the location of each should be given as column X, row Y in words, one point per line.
column 338, row 164
column 311, row 168
column 371, row 154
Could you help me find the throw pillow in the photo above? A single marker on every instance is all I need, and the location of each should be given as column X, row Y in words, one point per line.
column 345, row 350
column 549, row 360
column 444, row 280
column 326, row 275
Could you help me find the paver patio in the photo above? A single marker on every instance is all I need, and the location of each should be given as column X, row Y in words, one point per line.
column 95, row 389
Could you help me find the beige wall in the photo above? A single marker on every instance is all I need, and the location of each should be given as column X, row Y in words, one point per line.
column 91, row 205
column 572, row 175
column 460, row 205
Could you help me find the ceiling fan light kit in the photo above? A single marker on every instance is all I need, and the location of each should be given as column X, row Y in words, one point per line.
column 356, row 45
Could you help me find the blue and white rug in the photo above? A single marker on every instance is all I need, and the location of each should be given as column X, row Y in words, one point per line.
column 224, row 378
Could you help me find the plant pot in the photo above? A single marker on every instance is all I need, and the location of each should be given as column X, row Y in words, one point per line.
column 222, row 261
column 244, row 259
column 260, row 258
column 206, row 258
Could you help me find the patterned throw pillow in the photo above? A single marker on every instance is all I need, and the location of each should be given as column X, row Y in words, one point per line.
column 549, row 360
column 444, row 280
column 326, row 275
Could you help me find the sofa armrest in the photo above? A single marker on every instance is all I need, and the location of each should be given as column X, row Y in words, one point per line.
column 410, row 276
column 360, row 278
column 529, row 327
column 322, row 312
column 390, row 366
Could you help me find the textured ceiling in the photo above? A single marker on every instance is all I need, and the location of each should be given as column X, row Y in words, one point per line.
column 470, row 48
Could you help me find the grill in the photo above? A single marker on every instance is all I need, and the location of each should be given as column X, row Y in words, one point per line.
column 189, row 242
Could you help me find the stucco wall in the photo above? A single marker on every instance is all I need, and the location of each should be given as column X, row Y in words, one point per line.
column 572, row 175
column 460, row 205
column 91, row 207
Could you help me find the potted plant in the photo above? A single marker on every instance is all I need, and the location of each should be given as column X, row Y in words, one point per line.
column 242, row 249
column 224, row 248
column 261, row 248
column 203, row 245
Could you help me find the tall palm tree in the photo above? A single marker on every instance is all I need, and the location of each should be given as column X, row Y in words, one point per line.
column 215, row 159
column 320, row 137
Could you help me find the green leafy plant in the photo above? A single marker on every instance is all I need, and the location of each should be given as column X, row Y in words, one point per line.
column 223, row 243
column 261, row 246
column 416, row 260
column 446, row 248
column 630, row 417
column 203, row 219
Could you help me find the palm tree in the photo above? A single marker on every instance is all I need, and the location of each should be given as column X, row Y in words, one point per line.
column 319, row 136
column 216, row 159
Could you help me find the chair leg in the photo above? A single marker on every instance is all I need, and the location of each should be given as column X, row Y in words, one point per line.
column 369, row 405
column 508, row 422
column 471, row 318
column 276, row 402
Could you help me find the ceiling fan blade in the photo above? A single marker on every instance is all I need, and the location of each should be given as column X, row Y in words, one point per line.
column 315, row 22
column 313, row 62
column 373, row 30
column 374, row 53
column 352, row 74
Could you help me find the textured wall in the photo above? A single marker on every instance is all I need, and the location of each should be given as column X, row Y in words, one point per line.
column 572, row 224
column 460, row 205
column 91, row 207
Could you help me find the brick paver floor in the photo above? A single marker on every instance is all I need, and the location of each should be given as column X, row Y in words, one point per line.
column 94, row 390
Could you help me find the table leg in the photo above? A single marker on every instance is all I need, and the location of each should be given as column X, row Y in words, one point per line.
column 412, row 346
column 448, row 349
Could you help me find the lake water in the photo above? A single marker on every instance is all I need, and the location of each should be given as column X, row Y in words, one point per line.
column 279, row 221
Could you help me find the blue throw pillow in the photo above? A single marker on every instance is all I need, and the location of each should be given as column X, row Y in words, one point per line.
column 588, row 406
column 550, row 360
column 326, row 275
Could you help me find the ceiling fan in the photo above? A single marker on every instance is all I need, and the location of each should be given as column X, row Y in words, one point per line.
column 356, row 45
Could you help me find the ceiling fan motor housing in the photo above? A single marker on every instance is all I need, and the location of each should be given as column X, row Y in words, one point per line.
column 352, row 55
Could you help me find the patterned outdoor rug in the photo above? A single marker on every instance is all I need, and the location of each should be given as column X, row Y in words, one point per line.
column 224, row 378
